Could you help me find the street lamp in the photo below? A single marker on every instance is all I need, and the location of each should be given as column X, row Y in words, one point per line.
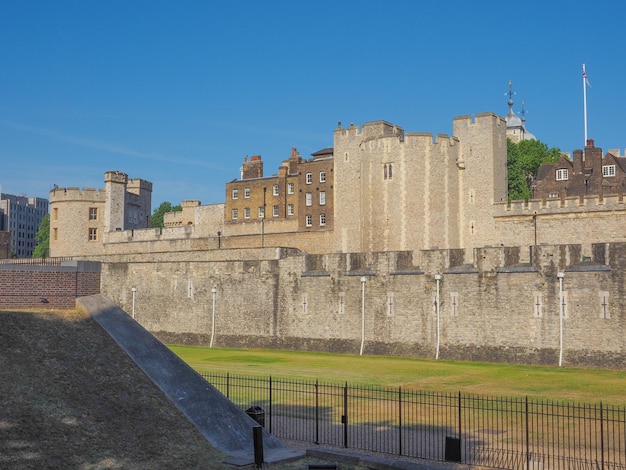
column 213, row 291
column 363, row 281
column 560, row 275
column 438, row 279
column 134, row 291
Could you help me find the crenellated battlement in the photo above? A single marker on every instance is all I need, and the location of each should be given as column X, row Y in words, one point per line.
column 479, row 119
column 77, row 194
column 566, row 205
column 137, row 185
column 115, row 177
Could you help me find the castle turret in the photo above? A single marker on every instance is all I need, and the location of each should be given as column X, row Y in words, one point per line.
column 115, row 189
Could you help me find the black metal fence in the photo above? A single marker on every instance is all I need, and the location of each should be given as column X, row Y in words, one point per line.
column 494, row 432
column 36, row 261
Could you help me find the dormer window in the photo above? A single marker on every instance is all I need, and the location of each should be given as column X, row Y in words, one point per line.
column 561, row 174
column 608, row 170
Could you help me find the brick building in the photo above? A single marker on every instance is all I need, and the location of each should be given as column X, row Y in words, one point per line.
column 298, row 198
column 587, row 174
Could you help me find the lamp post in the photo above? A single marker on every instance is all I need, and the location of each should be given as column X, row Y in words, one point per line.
column 134, row 291
column 213, row 292
column 438, row 279
column 560, row 275
column 363, row 280
column 219, row 239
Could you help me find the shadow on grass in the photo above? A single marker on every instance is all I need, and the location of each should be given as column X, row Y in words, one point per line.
column 71, row 398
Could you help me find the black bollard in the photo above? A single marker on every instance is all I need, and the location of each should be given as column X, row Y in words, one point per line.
column 257, row 436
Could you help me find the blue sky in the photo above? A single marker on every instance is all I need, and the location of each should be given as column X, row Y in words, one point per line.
column 178, row 92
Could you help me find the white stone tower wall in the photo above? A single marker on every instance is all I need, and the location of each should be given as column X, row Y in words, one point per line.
column 482, row 176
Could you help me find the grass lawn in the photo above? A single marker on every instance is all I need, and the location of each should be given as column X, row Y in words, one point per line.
column 71, row 398
column 572, row 384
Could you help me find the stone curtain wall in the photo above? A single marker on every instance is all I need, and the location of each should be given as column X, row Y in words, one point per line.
column 495, row 309
column 28, row 286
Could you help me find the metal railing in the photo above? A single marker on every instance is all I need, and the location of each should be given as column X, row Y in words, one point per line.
column 512, row 433
column 37, row 261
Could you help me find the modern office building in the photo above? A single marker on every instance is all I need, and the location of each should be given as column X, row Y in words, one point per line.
column 21, row 216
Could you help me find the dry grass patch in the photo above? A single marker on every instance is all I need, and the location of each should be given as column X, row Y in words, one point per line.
column 72, row 399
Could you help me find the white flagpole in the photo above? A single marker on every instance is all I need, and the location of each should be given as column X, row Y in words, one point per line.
column 585, row 101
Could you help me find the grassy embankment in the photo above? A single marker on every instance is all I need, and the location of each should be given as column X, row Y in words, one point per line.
column 570, row 384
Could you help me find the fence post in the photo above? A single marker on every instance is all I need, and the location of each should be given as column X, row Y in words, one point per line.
column 601, row 437
column 227, row 385
column 400, row 420
column 459, row 416
column 344, row 418
column 527, row 436
column 317, row 412
column 270, row 407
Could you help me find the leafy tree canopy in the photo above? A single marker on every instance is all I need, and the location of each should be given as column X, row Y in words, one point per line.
column 524, row 159
column 42, row 238
column 159, row 212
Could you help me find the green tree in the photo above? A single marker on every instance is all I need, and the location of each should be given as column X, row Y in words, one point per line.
column 159, row 212
column 42, row 239
column 524, row 159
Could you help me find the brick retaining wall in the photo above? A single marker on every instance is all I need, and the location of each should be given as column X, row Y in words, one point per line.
column 32, row 286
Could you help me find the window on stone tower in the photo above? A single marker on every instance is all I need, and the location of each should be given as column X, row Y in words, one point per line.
column 93, row 234
column 385, row 171
column 322, row 177
column 234, row 214
column 291, row 188
column 309, row 178
column 290, row 209
column 93, row 213
column 390, row 171
column 322, row 219
column 235, row 193
column 275, row 190
column 561, row 174
column 309, row 220
column 309, row 199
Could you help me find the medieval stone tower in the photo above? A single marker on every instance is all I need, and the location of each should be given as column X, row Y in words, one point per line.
column 412, row 191
column 482, row 176
column 81, row 218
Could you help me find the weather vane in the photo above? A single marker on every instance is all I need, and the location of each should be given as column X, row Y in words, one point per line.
column 510, row 92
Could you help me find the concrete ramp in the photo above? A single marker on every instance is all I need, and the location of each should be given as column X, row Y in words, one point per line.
column 226, row 427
